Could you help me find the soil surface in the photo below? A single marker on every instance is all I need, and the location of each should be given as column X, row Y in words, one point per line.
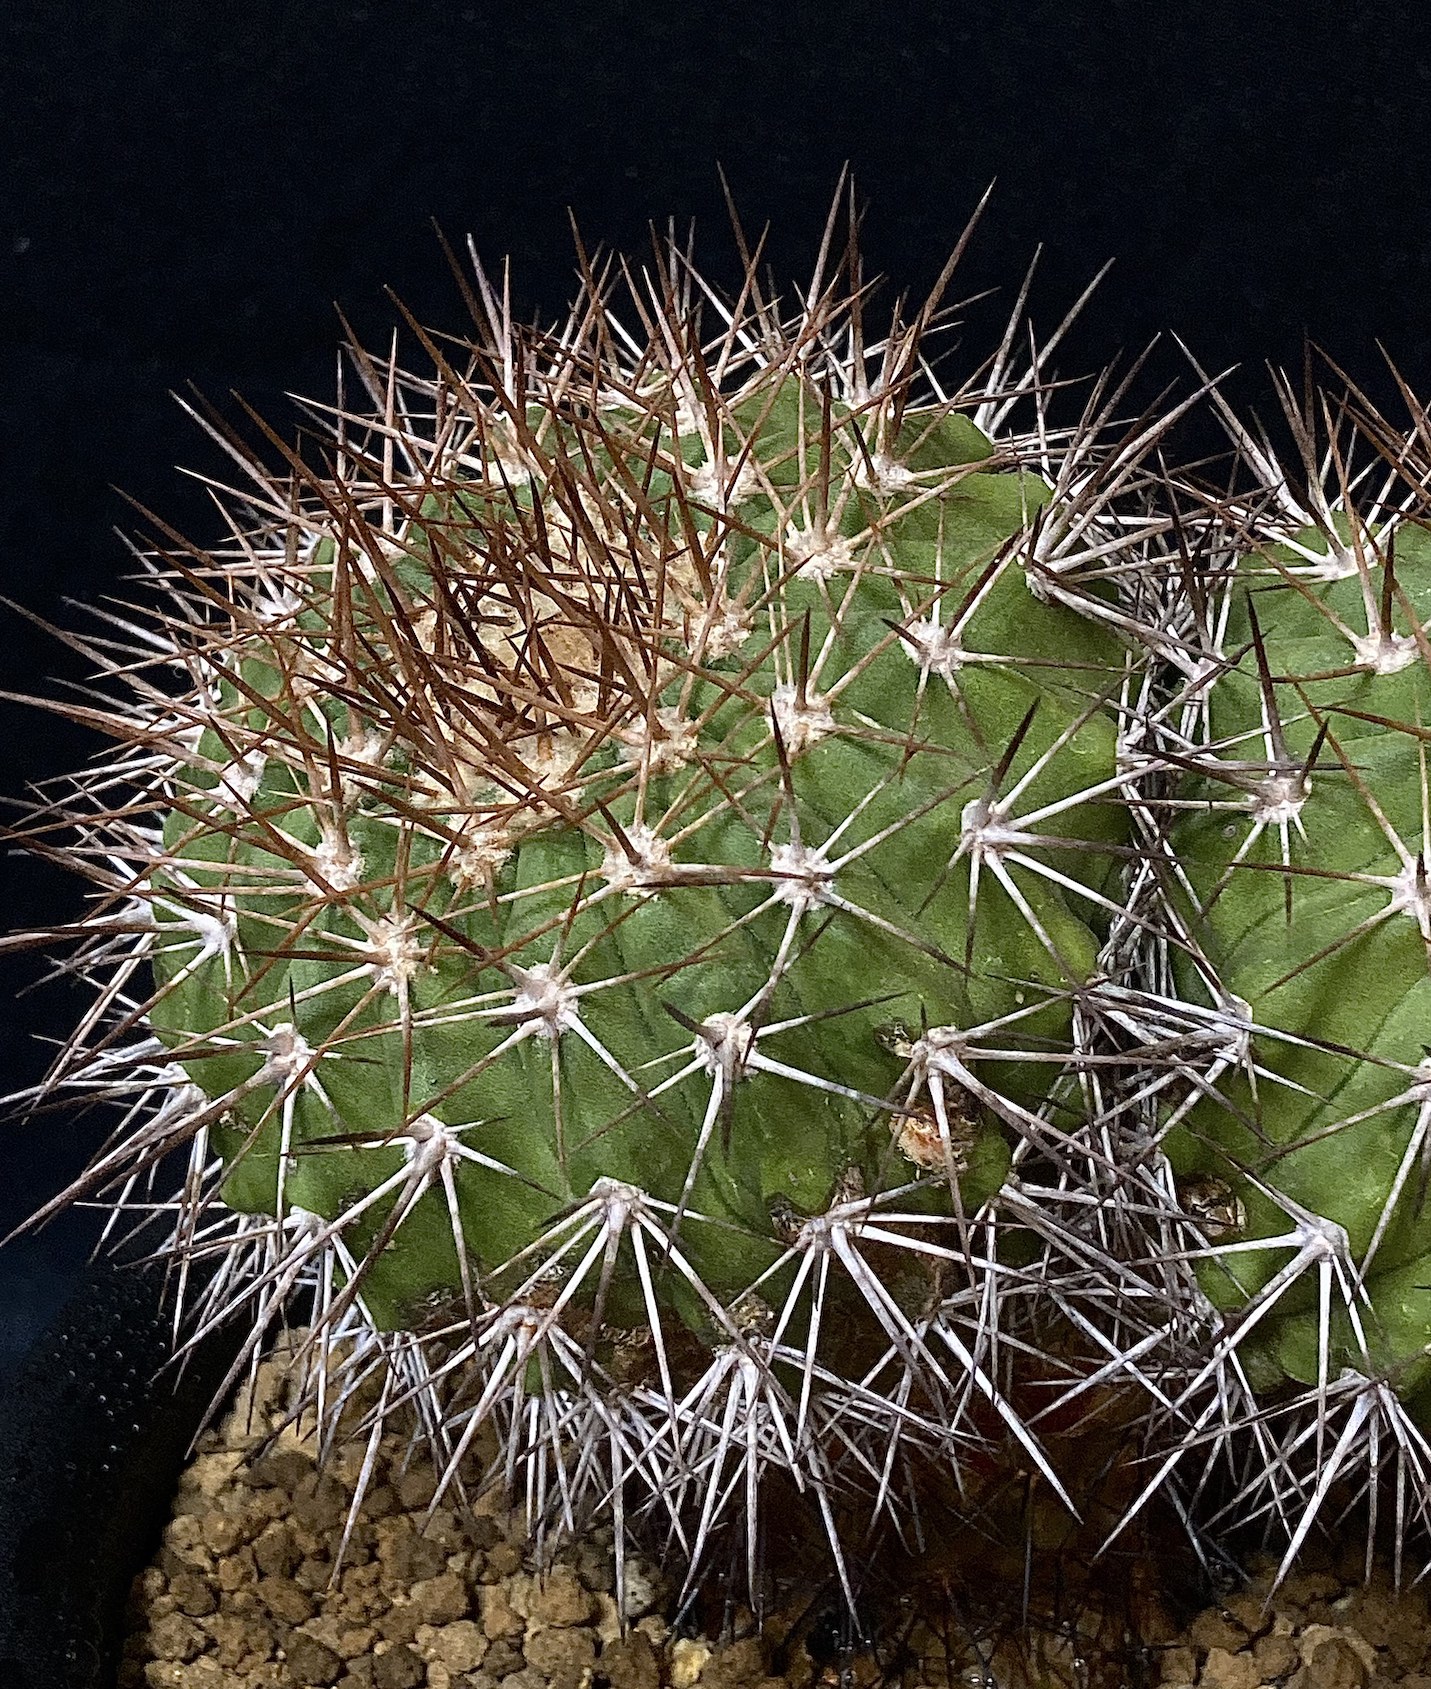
column 243, row 1595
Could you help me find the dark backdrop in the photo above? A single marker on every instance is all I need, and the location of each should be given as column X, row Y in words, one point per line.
column 186, row 189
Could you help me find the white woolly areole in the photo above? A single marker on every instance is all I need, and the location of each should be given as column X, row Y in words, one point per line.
column 1339, row 564
column 240, row 780
column 936, row 648
column 621, row 1201
column 1411, row 893
column 338, row 863
column 366, row 748
column 1201, row 674
column 287, row 1053
column 724, row 1044
column 1343, row 560
column 725, row 634
column 940, row 1049
column 216, row 933
column 719, row 482
column 803, row 878
column 644, row 868
column 480, row 853
column 545, row 1001
column 1036, row 579
column 818, row 554
column 1385, row 653
column 498, row 457
column 428, row 1142
column 1280, row 800
column 276, row 603
column 302, row 1224
column 801, row 724
column 1234, row 1018
column 183, row 1099
column 982, row 829
column 882, row 474
column 661, row 745
column 690, row 415
column 394, row 950
column 554, row 754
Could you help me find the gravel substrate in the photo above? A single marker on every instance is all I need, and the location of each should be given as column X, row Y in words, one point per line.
column 239, row 1597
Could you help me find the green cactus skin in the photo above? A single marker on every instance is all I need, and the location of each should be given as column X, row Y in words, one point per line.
column 755, row 814
column 1332, row 825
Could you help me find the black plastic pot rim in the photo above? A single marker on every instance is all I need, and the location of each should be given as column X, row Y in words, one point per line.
column 96, row 1426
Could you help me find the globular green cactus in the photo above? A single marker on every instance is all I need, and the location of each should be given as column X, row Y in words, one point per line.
column 1293, row 827
column 594, row 836
column 612, row 899
column 728, row 913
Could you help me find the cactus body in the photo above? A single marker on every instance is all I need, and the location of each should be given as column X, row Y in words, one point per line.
column 1306, row 860
column 683, row 864
column 730, row 914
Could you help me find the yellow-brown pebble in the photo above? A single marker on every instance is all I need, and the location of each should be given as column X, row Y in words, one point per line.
column 243, row 1595
column 688, row 1661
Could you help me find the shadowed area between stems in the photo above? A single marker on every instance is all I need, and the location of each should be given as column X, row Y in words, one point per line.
column 91, row 1444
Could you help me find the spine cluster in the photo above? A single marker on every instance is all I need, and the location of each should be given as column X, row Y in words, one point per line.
column 738, row 916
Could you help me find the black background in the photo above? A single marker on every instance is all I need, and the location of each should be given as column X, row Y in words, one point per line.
column 185, row 190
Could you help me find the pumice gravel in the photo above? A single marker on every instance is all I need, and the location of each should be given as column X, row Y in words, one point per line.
column 243, row 1595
